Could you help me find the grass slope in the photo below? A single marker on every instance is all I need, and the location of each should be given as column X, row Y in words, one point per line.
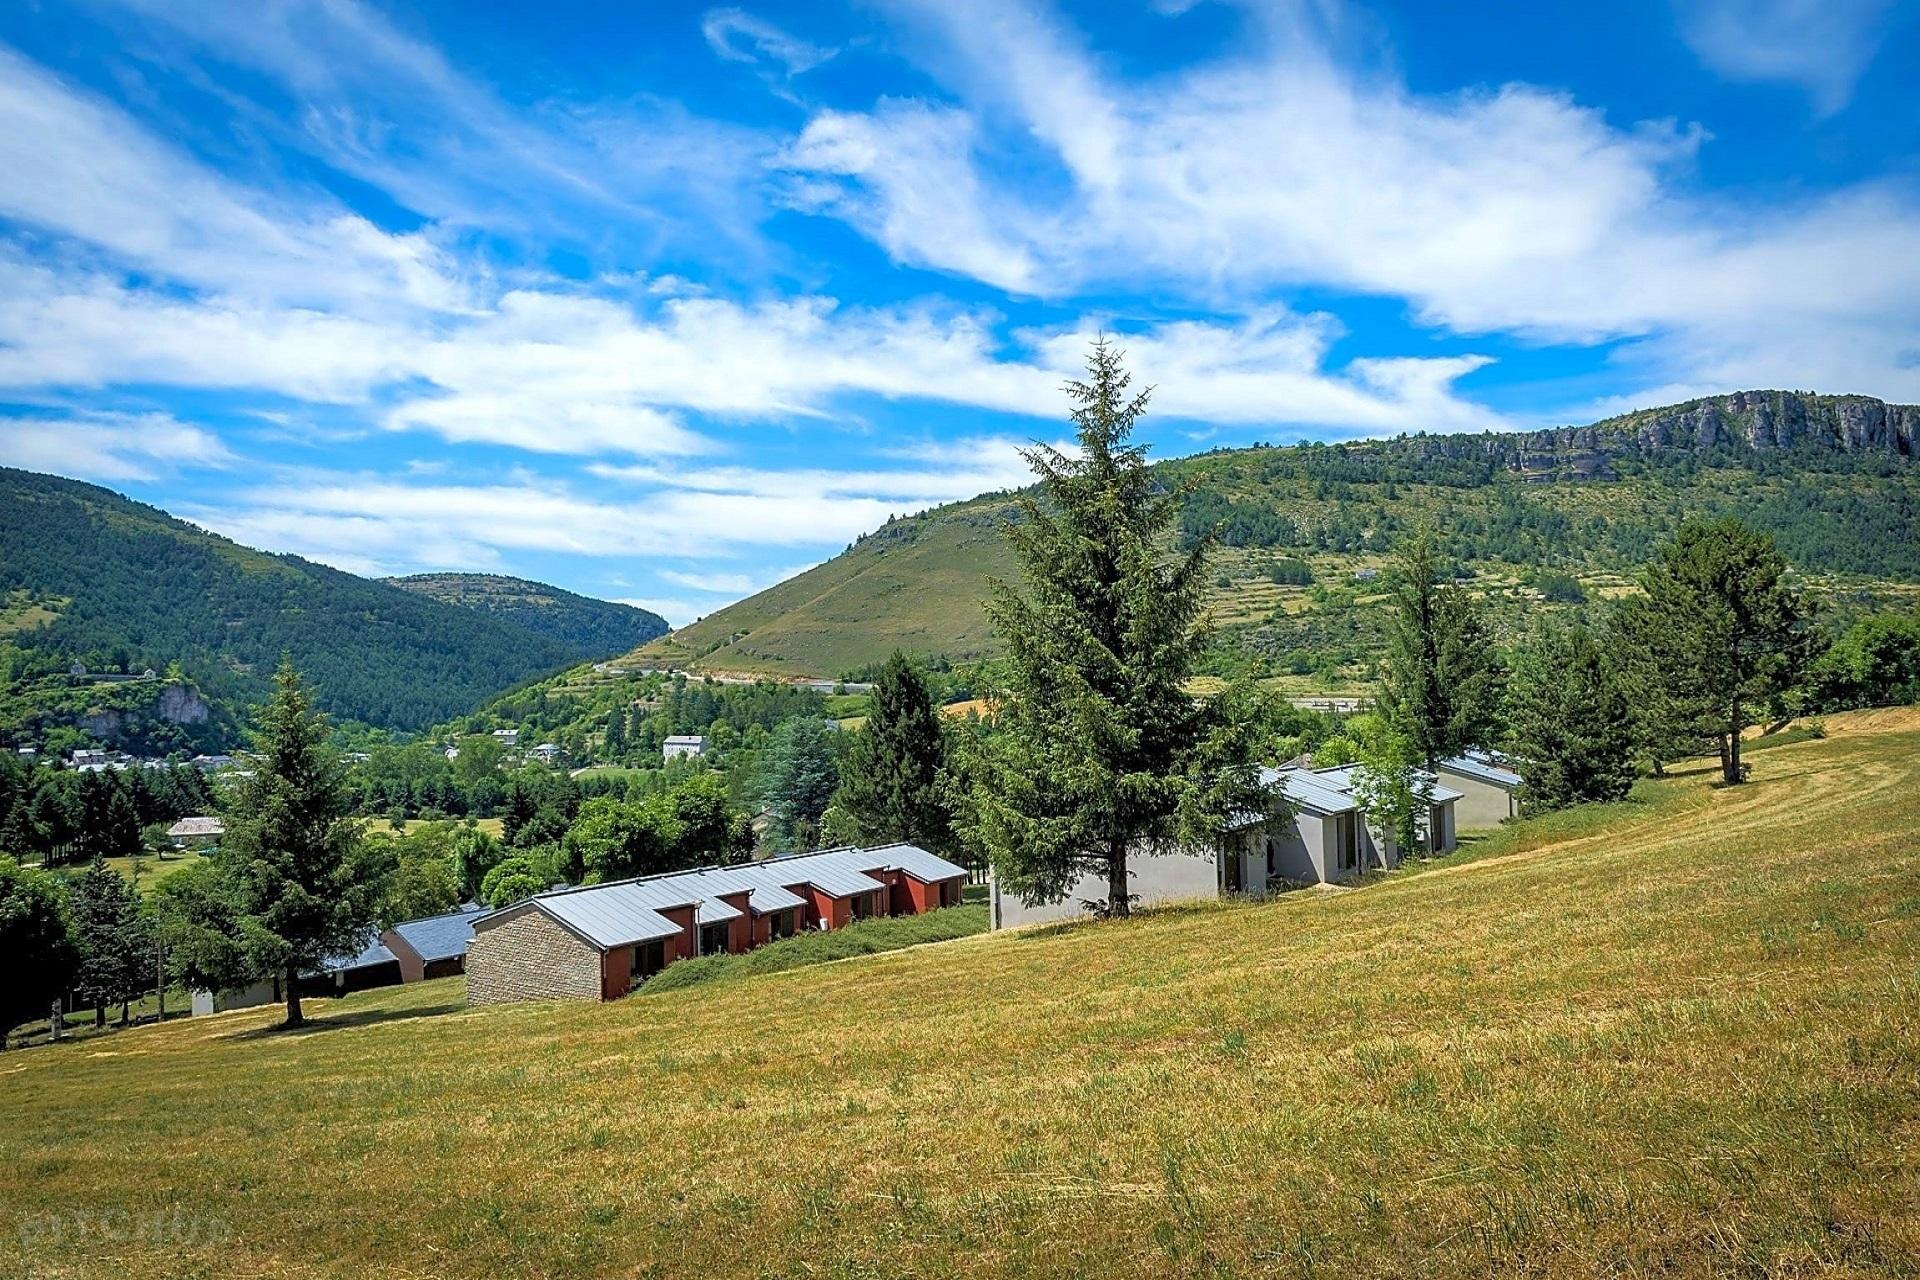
column 1682, row 1038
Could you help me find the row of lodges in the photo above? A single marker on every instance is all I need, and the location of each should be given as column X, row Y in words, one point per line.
column 600, row 941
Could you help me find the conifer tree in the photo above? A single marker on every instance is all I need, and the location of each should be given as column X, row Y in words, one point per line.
column 1572, row 738
column 292, row 856
column 799, row 781
column 892, row 776
column 1732, row 634
column 1098, row 750
column 1440, row 678
column 114, row 942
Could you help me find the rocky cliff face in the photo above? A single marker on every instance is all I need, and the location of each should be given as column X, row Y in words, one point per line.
column 1759, row 420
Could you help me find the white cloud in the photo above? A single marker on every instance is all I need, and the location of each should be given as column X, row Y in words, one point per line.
column 738, row 36
column 1822, row 46
column 1514, row 210
column 109, row 447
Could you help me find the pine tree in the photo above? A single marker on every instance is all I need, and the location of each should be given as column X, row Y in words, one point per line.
column 892, row 776
column 1732, row 635
column 291, row 852
column 1572, row 736
column 1440, row 678
column 1098, row 750
column 615, row 743
column 799, row 781
column 113, row 939
column 1659, row 727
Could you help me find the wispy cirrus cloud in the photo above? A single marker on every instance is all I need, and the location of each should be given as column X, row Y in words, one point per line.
column 1820, row 46
column 1514, row 210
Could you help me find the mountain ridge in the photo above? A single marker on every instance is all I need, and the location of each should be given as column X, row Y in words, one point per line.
column 592, row 628
column 92, row 579
column 1587, row 500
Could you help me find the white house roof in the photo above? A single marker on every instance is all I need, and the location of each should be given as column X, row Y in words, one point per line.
column 1482, row 768
column 686, row 739
column 202, row 826
column 630, row 911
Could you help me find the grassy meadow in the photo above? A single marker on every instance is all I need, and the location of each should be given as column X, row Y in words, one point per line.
column 1678, row 1036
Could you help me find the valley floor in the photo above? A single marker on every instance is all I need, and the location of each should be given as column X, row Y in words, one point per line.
column 1679, row 1036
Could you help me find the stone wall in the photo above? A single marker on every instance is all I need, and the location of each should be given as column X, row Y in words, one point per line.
column 529, row 957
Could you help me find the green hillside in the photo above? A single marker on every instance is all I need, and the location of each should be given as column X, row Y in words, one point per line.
column 1675, row 1037
column 91, row 577
column 589, row 628
column 1530, row 517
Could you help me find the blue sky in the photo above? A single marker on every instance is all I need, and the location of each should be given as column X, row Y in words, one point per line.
column 662, row 302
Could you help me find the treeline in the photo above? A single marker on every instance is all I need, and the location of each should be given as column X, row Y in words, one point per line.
column 60, row 816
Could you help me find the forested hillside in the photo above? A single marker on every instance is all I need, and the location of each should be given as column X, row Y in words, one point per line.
column 1533, row 517
column 89, row 577
column 589, row 628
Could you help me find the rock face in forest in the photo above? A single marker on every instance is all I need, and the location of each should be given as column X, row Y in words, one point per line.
column 1763, row 421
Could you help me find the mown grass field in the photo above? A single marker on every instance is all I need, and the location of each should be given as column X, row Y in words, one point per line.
column 1675, row 1037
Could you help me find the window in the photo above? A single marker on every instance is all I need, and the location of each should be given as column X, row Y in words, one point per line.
column 649, row 958
column 780, row 925
column 1273, row 858
column 1344, row 835
column 713, row 939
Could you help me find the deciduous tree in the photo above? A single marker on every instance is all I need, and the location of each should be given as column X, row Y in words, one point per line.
column 37, row 952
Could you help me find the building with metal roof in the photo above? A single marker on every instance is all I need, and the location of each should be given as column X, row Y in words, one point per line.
column 599, row 941
column 433, row 946
column 1489, row 788
column 1316, row 832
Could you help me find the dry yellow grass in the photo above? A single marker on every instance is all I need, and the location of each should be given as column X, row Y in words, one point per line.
column 1677, row 1038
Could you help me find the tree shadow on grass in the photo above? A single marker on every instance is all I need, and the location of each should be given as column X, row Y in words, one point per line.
column 350, row 1018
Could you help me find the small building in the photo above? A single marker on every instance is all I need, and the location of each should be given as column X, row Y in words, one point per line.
column 601, row 941
column 77, row 670
column 90, row 758
column 265, row 991
column 373, row 965
column 197, row 832
column 684, row 744
column 207, row 764
column 545, row 753
column 435, row 946
column 1489, row 789
column 508, row 738
column 452, row 753
column 1316, row 834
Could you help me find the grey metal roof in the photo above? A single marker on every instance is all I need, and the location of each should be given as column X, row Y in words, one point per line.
column 1341, row 778
column 1482, row 768
column 628, row 911
column 372, row 952
column 1306, row 789
column 440, row 937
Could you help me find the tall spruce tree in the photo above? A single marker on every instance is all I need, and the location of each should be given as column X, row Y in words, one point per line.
column 1732, row 633
column 1098, row 750
column 1440, row 677
column 893, row 774
column 301, row 887
column 1571, row 733
column 113, row 938
column 1661, row 730
column 799, row 781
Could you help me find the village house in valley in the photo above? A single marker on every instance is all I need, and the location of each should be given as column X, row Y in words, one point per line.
column 600, row 941
column 1317, row 835
column 1489, row 790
